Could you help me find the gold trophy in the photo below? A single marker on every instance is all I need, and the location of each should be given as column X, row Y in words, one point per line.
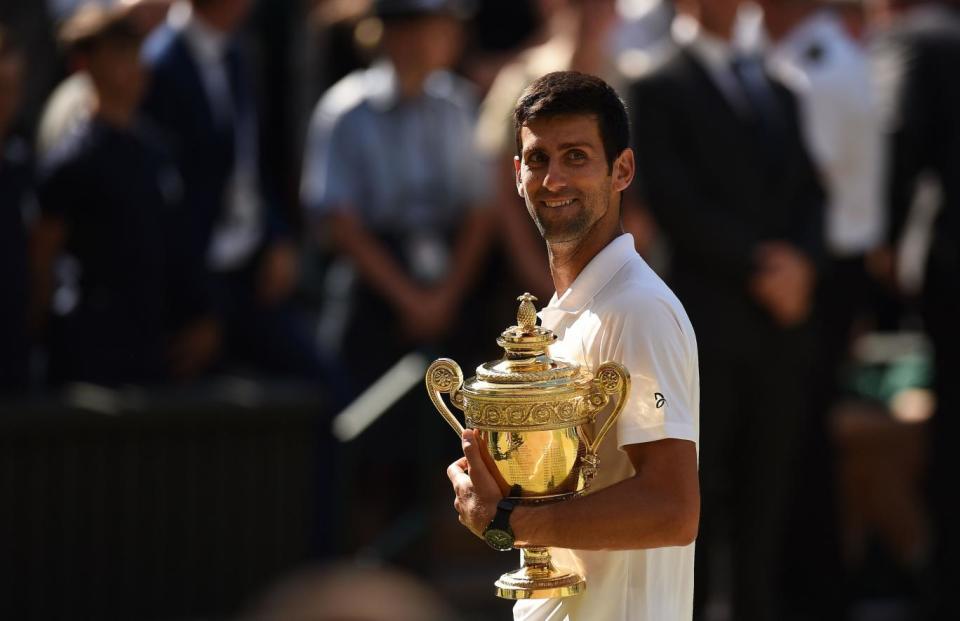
column 535, row 416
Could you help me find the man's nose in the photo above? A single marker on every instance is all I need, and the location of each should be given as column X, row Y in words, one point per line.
column 555, row 179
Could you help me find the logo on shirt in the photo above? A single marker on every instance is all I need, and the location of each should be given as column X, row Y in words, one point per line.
column 659, row 399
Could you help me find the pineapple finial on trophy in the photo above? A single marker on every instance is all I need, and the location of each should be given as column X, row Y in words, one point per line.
column 527, row 313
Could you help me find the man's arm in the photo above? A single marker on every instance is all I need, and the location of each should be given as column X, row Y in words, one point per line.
column 471, row 247
column 657, row 507
column 46, row 242
column 373, row 262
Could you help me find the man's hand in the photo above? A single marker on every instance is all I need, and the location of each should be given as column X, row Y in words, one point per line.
column 784, row 283
column 194, row 348
column 278, row 273
column 477, row 491
column 428, row 314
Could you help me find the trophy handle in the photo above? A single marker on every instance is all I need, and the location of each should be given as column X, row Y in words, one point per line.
column 611, row 378
column 445, row 376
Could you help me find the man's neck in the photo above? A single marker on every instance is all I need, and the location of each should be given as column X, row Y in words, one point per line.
column 211, row 20
column 568, row 258
column 783, row 21
column 113, row 113
column 410, row 78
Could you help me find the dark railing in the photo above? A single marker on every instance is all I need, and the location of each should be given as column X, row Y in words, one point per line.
column 157, row 505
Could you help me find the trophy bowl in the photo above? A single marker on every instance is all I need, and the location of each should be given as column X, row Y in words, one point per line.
column 535, row 416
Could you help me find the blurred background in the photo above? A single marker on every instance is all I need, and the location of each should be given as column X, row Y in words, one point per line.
column 233, row 234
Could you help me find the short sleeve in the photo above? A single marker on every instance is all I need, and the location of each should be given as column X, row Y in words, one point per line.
column 654, row 341
column 330, row 175
column 57, row 187
column 477, row 178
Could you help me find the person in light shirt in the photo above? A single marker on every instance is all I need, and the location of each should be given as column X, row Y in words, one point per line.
column 632, row 537
column 812, row 51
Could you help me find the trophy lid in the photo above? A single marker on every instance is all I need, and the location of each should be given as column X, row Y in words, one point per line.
column 526, row 359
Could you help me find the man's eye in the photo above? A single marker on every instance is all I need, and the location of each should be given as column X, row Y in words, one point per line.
column 576, row 155
column 536, row 158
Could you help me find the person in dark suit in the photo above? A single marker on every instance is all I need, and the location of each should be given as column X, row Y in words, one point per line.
column 924, row 43
column 722, row 166
column 15, row 182
column 201, row 97
column 127, row 309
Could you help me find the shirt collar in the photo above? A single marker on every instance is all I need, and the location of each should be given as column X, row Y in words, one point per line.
column 383, row 89
column 207, row 44
column 820, row 25
column 593, row 277
column 711, row 50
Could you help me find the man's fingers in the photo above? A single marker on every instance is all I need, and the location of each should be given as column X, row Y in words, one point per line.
column 471, row 451
column 456, row 472
column 479, row 473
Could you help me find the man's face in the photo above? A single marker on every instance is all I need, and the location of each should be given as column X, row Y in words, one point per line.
column 563, row 175
column 117, row 71
column 715, row 15
column 11, row 70
column 431, row 42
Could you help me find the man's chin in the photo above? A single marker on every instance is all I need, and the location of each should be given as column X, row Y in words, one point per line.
column 559, row 235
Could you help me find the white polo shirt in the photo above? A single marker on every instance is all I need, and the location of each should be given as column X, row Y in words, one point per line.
column 618, row 309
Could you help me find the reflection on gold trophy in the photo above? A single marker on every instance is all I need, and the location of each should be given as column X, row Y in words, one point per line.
column 535, row 416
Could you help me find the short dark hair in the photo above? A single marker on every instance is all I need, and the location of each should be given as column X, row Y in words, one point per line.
column 572, row 92
column 93, row 24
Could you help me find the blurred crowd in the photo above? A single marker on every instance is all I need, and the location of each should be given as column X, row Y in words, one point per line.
column 313, row 189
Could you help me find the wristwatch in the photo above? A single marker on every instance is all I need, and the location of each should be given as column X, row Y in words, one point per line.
column 498, row 534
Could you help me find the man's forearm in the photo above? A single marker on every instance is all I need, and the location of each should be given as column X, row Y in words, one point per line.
column 375, row 265
column 649, row 510
column 471, row 248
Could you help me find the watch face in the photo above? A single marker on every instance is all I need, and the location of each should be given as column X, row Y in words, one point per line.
column 499, row 539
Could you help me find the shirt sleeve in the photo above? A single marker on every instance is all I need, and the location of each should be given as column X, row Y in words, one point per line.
column 57, row 187
column 330, row 176
column 656, row 345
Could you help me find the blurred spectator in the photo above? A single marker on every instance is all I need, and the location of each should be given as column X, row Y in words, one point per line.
column 342, row 592
column 576, row 38
column 921, row 52
column 202, row 100
column 390, row 176
column 72, row 99
column 814, row 54
column 722, row 165
column 15, row 191
column 110, row 202
column 30, row 21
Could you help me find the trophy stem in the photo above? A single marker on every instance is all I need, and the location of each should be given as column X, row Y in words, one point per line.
column 537, row 578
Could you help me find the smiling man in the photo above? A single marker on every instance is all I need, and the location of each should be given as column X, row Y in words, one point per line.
column 632, row 537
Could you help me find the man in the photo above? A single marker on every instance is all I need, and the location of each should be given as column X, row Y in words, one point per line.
column 632, row 537
column 15, row 192
column 723, row 168
column 923, row 48
column 126, row 309
column 202, row 100
column 814, row 54
column 578, row 37
column 391, row 179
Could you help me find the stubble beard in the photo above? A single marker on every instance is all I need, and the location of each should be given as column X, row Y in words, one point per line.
column 560, row 230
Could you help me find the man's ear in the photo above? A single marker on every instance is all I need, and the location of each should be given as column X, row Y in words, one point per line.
column 516, row 172
column 623, row 170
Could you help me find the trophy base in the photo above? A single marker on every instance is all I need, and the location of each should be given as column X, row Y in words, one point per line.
column 539, row 579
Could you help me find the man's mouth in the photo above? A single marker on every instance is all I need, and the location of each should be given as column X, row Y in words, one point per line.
column 559, row 203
